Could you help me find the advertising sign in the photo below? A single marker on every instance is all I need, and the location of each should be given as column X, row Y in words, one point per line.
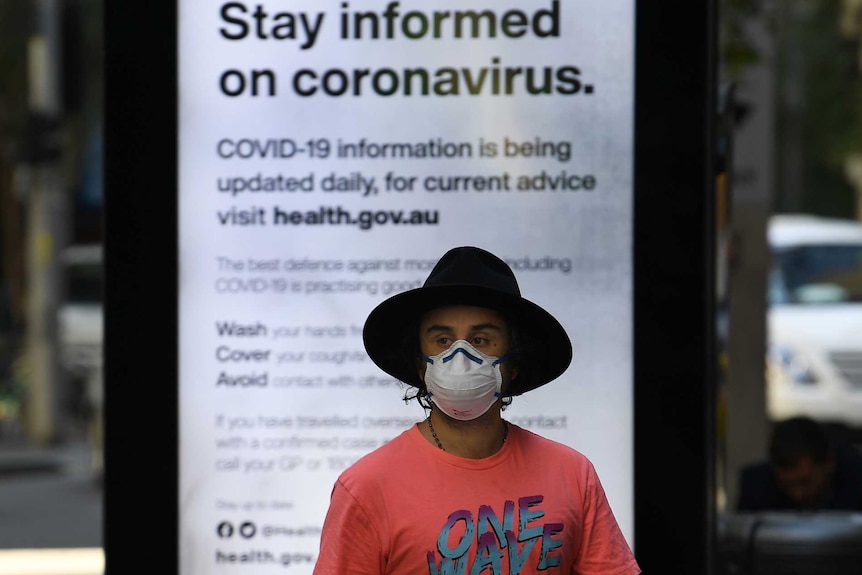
column 329, row 153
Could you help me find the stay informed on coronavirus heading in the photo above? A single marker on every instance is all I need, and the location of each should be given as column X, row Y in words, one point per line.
column 330, row 152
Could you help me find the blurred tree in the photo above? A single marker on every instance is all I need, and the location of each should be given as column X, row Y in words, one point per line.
column 15, row 19
column 737, row 48
column 14, row 31
column 819, row 123
column 851, row 27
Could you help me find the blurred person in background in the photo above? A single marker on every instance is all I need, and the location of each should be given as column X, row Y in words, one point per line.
column 807, row 471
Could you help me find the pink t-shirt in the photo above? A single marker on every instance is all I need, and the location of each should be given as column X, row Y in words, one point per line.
column 535, row 507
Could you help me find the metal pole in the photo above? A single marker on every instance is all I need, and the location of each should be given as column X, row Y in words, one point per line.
column 46, row 213
column 753, row 189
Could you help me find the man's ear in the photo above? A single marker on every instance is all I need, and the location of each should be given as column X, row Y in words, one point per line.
column 512, row 372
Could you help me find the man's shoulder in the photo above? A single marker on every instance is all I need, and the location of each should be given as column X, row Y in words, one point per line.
column 545, row 447
column 756, row 477
column 848, row 479
column 758, row 489
column 850, row 458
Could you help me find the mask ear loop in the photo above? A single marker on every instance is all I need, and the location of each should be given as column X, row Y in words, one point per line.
column 499, row 394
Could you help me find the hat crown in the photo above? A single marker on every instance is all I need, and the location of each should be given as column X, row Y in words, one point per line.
column 468, row 276
column 473, row 266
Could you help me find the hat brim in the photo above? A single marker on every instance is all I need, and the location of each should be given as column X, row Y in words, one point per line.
column 545, row 350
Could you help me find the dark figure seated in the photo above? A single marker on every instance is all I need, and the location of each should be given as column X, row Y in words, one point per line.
column 806, row 472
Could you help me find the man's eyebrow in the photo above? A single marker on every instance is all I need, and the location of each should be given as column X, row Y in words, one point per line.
column 438, row 328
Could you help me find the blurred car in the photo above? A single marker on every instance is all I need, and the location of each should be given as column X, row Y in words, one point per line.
column 814, row 363
column 80, row 326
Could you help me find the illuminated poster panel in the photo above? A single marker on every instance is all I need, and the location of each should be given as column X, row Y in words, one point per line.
column 330, row 152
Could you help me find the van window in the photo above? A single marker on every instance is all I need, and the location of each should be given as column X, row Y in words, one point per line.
column 817, row 274
column 84, row 283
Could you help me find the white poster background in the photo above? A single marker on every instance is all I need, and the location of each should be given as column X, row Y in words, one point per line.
column 277, row 395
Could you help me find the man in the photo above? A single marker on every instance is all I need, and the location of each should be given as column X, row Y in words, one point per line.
column 465, row 492
column 806, row 472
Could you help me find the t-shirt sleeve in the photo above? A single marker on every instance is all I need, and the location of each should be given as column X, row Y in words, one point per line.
column 603, row 549
column 349, row 544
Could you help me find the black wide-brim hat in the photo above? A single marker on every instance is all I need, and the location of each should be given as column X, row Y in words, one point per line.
column 475, row 277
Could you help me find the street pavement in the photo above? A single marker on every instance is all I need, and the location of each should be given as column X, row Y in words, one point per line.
column 49, row 499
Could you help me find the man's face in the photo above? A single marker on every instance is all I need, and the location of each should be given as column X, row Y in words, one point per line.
column 805, row 482
column 483, row 328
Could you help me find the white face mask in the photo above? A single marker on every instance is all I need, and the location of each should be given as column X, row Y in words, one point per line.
column 462, row 381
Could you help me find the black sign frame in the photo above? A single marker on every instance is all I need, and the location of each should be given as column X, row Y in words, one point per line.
column 674, row 335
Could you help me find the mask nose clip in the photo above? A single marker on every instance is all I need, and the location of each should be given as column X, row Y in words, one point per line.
column 472, row 357
column 469, row 356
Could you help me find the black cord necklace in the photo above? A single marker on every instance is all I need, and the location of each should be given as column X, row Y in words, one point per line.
column 440, row 445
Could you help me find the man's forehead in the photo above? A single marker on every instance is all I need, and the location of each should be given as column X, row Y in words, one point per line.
column 463, row 314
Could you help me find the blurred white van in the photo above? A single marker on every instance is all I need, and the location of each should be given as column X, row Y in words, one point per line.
column 814, row 364
column 80, row 318
column 80, row 314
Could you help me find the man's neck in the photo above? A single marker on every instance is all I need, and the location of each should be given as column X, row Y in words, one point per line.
column 474, row 439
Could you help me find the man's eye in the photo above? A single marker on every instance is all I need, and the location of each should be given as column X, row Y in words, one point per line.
column 480, row 340
column 443, row 341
